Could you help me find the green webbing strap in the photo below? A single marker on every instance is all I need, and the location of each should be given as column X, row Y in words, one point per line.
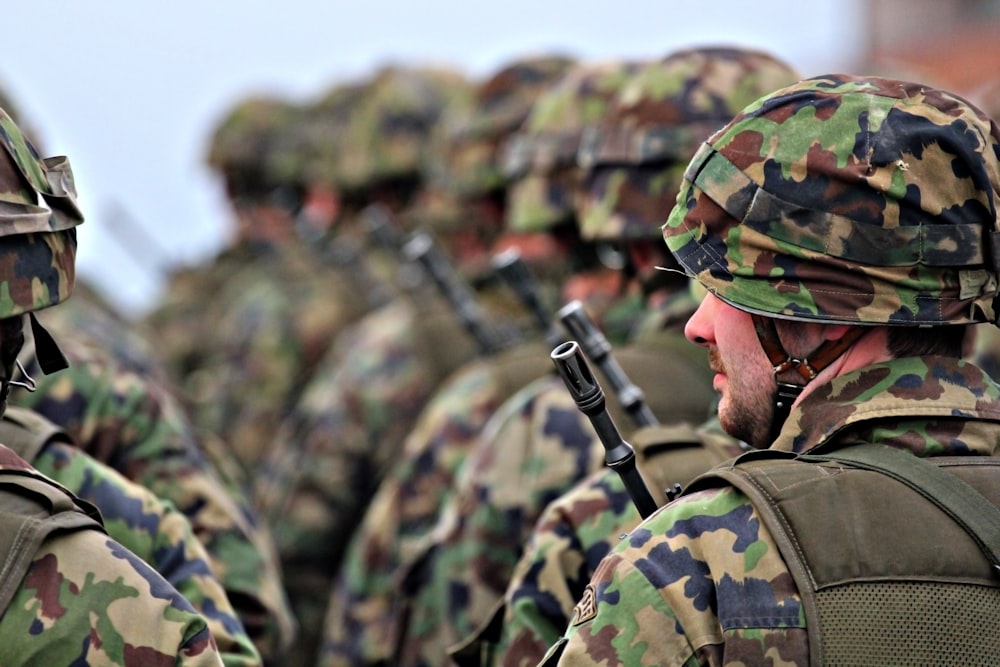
column 973, row 512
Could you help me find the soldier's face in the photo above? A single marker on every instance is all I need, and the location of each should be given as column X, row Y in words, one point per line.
column 743, row 377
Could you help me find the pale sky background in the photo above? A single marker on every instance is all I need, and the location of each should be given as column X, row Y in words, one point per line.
column 130, row 90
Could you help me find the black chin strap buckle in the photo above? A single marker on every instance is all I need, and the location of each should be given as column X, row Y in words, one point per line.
column 784, row 398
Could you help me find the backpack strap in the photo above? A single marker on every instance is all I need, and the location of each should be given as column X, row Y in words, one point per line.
column 32, row 508
column 27, row 432
column 973, row 512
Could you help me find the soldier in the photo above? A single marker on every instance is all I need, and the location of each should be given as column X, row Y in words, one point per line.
column 841, row 226
column 541, row 170
column 538, row 445
column 333, row 448
column 115, row 404
column 184, row 323
column 74, row 594
column 630, row 180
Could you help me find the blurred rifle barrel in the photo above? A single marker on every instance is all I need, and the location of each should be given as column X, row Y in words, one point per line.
column 512, row 269
column 597, row 348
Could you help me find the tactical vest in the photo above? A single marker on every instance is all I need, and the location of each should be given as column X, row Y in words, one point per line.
column 896, row 557
column 32, row 507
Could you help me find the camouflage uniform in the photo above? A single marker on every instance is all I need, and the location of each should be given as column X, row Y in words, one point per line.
column 850, row 199
column 84, row 598
column 133, row 424
column 532, row 449
column 360, row 626
column 631, row 162
column 150, row 528
column 631, row 179
column 74, row 595
column 579, row 528
column 341, row 436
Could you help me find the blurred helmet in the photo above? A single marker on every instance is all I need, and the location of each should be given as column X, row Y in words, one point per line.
column 500, row 104
column 634, row 160
column 390, row 125
column 255, row 147
column 322, row 131
column 539, row 159
column 849, row 199
column 38, row 217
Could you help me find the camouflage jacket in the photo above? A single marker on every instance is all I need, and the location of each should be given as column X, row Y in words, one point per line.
column 274, row 321
column 158, row 534
column 701, row 581
column 359, row 628
column 86, row 599
column 533, row 449
column 347, row 430
column 577, row 530
column 134, row 425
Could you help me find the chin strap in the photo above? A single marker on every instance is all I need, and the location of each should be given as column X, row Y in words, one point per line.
column 802, row 371
column 50, row 357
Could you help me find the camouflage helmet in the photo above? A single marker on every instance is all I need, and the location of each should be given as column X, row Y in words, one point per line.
column 323, row 128
column 540, row 158
column 38, row 219
column 255, row 147
column 850, row 199
column 389, row 129
column 634, row 160
column 500, row 104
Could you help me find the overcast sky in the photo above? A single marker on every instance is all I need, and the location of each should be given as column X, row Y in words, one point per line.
column 129, row 90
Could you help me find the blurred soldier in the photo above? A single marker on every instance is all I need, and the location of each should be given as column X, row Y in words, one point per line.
column 114, row 402
column 631, row 180
column 540, row 225
column 630, row 167
column 331, row 451
column 151, row 528
column 181, row 324
column 868, row 426
column 126, row 419
column 73, row 594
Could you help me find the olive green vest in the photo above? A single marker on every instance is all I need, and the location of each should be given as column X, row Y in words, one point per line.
column 32, row 507
column 897, row 558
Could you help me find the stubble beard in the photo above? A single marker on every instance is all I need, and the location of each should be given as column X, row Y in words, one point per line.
column 746, row 405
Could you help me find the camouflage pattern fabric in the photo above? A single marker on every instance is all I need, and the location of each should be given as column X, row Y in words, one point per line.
column 277, row 320
column 540, row 159
column 534, row 448
column 134, row 425
column 178, row 326
column 889, row 241
column 712, row 545
column 577, row 530
column 387, row 134
column 338, row 443
column 88, row 600
column 39, row 249
column 360, row 624
column 635, row 156
column 159, row 534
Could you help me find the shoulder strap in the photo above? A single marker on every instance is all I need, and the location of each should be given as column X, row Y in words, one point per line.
column 27, row 432
column 31, row 508
column 964, row 504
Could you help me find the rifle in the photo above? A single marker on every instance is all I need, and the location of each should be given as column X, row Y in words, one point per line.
column 589, row 398
column 421, row 248
column 598, row 349
column 512, row 269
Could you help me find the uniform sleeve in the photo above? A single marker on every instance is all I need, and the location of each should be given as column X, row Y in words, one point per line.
column 160, row 535
column 88, row 600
